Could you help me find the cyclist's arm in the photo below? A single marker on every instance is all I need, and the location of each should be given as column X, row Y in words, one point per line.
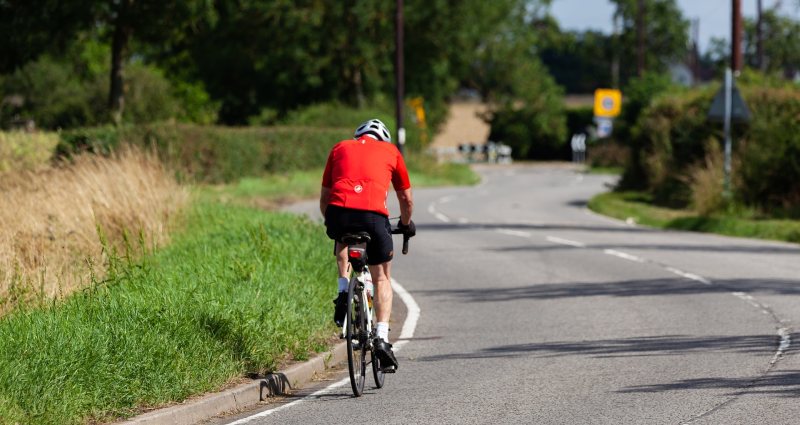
column 406, row 205
column 324, row 199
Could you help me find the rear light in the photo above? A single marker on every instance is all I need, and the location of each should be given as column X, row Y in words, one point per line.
column 354, row 253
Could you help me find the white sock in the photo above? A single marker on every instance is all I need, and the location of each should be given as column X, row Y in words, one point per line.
column 382, row 328
column 343, row 282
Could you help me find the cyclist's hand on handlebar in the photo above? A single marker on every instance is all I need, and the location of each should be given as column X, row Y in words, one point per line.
column 409, row 230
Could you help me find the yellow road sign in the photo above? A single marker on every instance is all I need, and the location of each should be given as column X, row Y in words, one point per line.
column 607, row 103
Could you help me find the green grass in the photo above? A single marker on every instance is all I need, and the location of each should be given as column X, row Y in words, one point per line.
column 638, row 207
column 278, row 189
column 240, row 291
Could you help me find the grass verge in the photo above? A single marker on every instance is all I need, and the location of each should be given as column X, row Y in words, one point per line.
column 637, row 207
column 239, row 291
column 275, row 190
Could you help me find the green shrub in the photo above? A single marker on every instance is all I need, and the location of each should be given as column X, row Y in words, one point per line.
column 215, row 154
column 338, row 115
column 768, row 155
column 26, row 151
column 671, row 140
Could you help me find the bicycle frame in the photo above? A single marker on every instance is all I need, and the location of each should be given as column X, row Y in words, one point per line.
column 361, row 278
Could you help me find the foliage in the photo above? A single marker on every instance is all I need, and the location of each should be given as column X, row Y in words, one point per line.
column 224, row 299
column 673, row 136
column 215, row 154
column 528, row 114
column 640, row 93
column 21, row 151
column 781, row 42
column 70, row 90
column 637, row 207
column 666, row 35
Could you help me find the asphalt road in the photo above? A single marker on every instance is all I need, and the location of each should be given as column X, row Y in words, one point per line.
column 534, row 310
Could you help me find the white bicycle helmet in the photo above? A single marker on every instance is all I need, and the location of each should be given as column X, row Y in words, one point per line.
column 374, row 128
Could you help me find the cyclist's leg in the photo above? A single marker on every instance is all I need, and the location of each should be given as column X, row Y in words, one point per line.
column 381, row 278
column 341, row 260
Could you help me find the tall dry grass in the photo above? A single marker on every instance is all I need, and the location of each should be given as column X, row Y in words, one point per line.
column 705, row 180
column 52, row 222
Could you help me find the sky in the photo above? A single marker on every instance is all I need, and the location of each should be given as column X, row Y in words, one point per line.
column 714, row 15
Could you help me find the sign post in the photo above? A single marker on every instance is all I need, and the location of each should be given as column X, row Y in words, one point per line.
column 728, row 106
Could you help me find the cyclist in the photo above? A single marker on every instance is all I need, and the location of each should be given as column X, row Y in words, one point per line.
column 355, row 187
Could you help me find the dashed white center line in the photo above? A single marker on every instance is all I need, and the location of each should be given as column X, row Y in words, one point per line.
column 566, row 242
column 512, row 232
column 463, row 220
column 442, row 217
column 623, row 255
column 690, row 276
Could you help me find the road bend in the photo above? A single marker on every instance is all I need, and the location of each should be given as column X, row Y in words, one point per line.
column 534, row 310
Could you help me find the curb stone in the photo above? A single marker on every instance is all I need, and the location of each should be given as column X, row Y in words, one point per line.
column 243, row 396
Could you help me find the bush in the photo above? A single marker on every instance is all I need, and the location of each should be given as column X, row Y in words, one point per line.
column 338, row 115
column 26, row 151
column 673, row 139
column 51, row 95
column 215, row 154
column 769, row 152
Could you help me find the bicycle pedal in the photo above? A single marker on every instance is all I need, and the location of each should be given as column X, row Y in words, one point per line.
column 389, row 369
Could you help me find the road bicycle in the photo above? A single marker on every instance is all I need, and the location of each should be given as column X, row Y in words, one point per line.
column 358, row 329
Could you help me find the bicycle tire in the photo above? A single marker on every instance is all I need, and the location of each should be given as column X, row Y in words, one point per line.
column 377, row 372
column 356, row 339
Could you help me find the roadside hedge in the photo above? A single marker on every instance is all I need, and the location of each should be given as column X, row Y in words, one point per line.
column 213, row 154
column 673, row 138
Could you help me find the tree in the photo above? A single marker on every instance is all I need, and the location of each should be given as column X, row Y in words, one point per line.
column 666, row 35
column 781, row 40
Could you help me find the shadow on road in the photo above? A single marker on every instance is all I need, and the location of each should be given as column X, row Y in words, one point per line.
column 666, row 345
column 783, row 383
column 625, row 288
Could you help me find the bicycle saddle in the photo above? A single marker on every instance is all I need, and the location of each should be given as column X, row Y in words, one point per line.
column 355, row 238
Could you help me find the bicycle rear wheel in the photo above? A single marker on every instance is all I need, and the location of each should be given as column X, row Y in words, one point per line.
column 377, row 372
column 356, row 338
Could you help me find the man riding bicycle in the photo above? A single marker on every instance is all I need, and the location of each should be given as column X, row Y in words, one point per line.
column 355, row 187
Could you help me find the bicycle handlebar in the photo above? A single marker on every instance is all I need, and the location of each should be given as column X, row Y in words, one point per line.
column 405, row 239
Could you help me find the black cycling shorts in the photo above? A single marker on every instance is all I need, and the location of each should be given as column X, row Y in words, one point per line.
column 339, row 221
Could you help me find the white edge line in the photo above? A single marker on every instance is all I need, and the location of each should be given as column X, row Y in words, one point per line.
column 409, row 326
column 623, row 255
column 566, row 242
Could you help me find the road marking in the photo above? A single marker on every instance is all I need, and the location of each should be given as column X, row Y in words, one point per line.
column 446, row 199
column 512, row 232
column 748, row 299
column 409, row 326
column 566, row 242
column 623, row 255
column 439, row 216
column 463, row 220
column 690, row 276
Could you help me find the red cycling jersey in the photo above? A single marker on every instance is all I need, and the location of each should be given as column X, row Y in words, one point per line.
column 359, row 171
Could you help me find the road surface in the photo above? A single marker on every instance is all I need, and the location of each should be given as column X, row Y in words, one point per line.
column 534, row 310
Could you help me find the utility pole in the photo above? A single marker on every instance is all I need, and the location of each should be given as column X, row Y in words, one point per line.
column 696, row 50
column 640, row 36
column 760, row 38
column 616, row 50
column 736, row 37
column 399, row 76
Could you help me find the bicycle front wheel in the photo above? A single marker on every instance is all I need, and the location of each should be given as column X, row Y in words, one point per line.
column 356, row 338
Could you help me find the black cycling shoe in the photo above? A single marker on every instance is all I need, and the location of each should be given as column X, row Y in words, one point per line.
column 341, row 308
column 385, row 354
